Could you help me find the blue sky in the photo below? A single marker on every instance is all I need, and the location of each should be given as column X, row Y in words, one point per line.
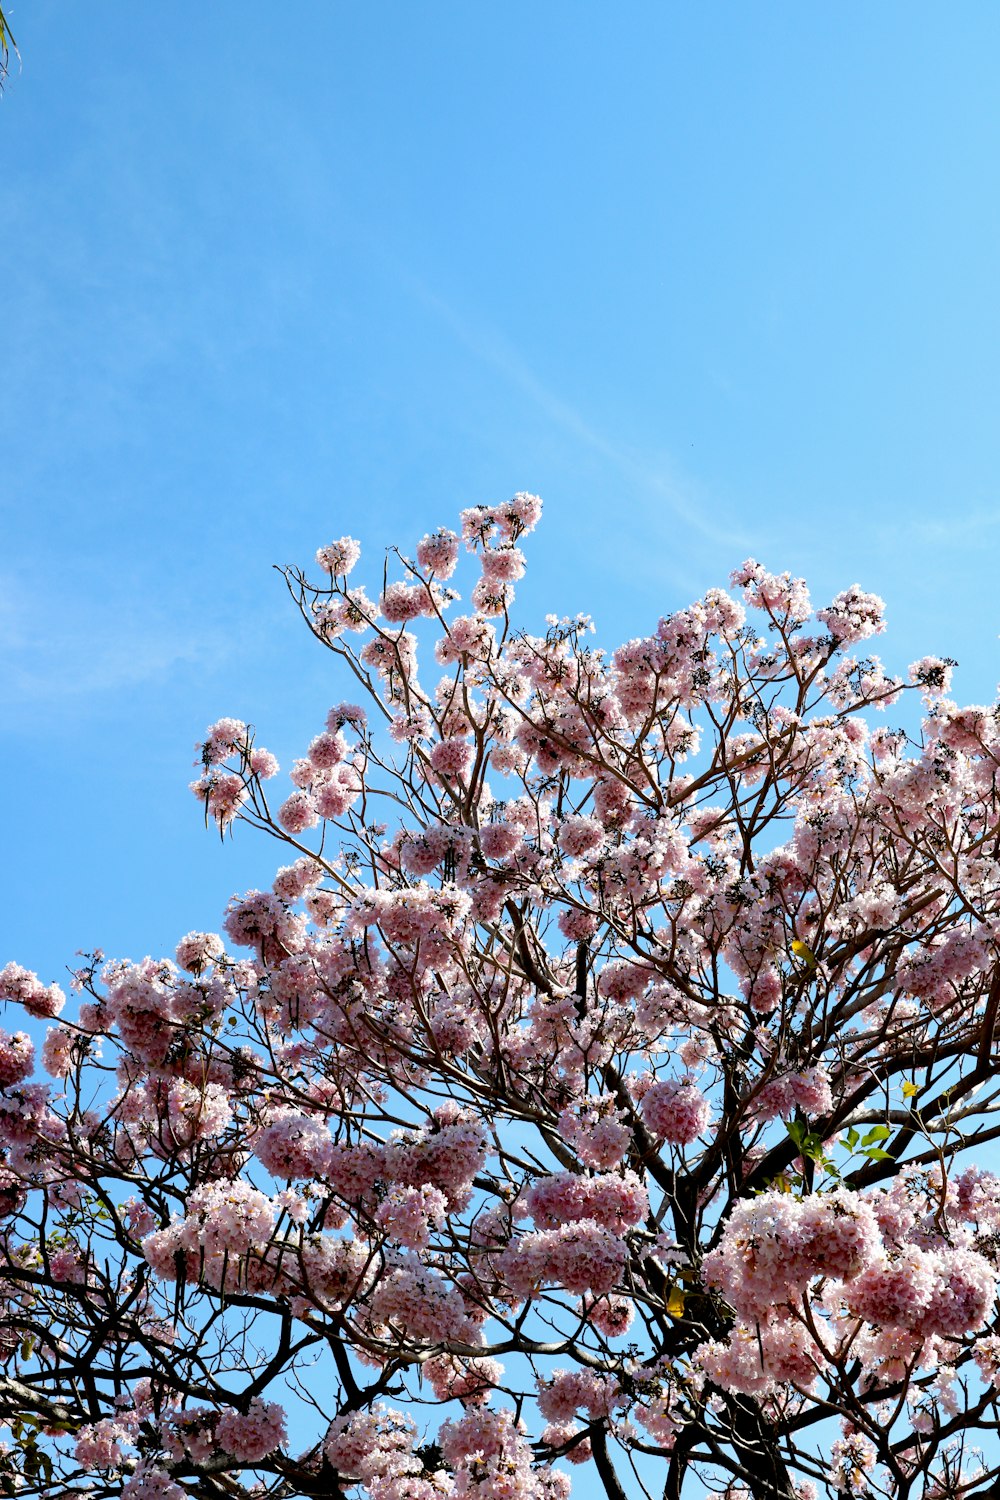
column 714, row 280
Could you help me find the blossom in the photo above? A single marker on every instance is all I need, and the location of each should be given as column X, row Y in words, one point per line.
column 364, row 1445
column 438, row 552
column 98, row 1444
column 251, row 1435
column 293, row 1145
column 582, row 1257
column 596, row 1130
column 198, row 950
column 408, row 1213
column 223, row 739
column 676, row 1110
column 25, row 988
column 773, row 1245
column 17, row 1057
column 298, row 813
column 339, row 557
column 616, row 1202
column 451, row 757
column 150, row 1483
column 853, row 616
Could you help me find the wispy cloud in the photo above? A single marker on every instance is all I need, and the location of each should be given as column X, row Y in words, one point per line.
column 955, row 529
column 495, row 350
column 74, row 649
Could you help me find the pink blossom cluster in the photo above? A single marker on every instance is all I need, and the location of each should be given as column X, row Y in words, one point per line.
column 17, row 1058
column 757, row 1359
column 147, row 1482
column 364, row 1445
column 22, row 987
column 615, row 1201
column 468, row 1379
column 340, row 557
column 582, row 1257
column 567, row 1392
column 408, row 1214
column 223, row 1224
column 98, row 1445
column 948, row 1292
column 251, row 1435
column 675, row 1110
column 774, row 1245
column 597, row 1131
column 808, row 1090
column 853, row 1458
column 197, row 951
column 489, row 1455
column 414, row 1301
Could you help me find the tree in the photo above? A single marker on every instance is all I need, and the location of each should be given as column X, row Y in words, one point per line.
column 7, row 44
column 596, row 1084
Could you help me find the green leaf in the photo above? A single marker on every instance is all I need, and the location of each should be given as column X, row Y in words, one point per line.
column 852, row 1137
column 877, row 1133
column 877, row 1154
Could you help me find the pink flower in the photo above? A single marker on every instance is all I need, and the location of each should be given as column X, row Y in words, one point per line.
column 328, row 750
column 499, row 840
column 595, row 1129
column 451, row 758
column 503, row 566
column 298, row 813
column 401, row 602
column 780, row 595
column 198, row 950
column 457, row 1378
column 616, row 1202
column 774, row 1245
column 197, row 1111
column 438, row 553
column 98, row 1444
column 17, row 1058
column 25, row 988
column 520, row 514
column 150, row 1483
column 338, row 558
column 59, row 1051
column 894, row 1292
column 251, row 1435
column 582, row 1257
column 263, row 764
column 365, row 1445
column 853, row 616
column 293, row 1146
column 415, row 1301
column 407, row 1214
column 932, row 674
column 579, row 835
column 224, row 738
column 675, row 1110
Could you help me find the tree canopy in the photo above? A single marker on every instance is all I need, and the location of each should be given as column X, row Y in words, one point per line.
column 599, row 1090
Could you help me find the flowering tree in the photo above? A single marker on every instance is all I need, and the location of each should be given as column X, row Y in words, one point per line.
column 594, row 1085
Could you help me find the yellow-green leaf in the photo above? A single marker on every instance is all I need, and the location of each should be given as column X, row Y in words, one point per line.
column 804, row 952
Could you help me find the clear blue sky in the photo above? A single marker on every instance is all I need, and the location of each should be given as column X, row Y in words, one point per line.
column 715, row 280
